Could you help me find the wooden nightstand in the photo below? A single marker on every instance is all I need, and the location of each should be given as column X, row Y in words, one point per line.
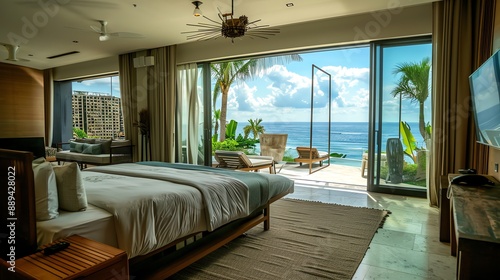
column 83, row 259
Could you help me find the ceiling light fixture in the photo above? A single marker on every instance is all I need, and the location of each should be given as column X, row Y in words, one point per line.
column 103, row 37
column 197, row 12
column 229, row 27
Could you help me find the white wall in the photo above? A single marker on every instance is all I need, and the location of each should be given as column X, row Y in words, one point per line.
column 87, row 69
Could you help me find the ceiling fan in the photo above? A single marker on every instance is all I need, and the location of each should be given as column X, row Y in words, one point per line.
column 12, row 52
column 104, row 35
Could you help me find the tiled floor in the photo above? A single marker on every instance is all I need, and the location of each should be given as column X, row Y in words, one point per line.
column 407, row 247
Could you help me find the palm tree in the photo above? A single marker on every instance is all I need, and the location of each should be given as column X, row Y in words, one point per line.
column 216, row 120
column 413, row 84
column 254, row 127
column 225, row 73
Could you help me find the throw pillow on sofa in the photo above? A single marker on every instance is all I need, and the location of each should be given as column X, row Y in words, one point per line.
column 105, row 146
column 91, row 149
column 75, row 147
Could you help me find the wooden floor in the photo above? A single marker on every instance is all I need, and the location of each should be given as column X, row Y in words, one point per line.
column 407, row 247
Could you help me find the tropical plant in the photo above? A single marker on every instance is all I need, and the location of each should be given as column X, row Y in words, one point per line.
column 143, row 124
column 231, row 129
column 79, row 133
column 409, row 141
column 413, row 84
column 226, row 73
column 216, row 123
column 254, row 127
column 227, row 145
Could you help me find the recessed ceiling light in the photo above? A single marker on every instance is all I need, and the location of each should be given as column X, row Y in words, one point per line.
column 289, row 4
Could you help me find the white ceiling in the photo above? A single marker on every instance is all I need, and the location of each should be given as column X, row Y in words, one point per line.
column 44, row 28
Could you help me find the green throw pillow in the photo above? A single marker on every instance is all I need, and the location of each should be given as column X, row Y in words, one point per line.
column 75, row 147
column 91, row 149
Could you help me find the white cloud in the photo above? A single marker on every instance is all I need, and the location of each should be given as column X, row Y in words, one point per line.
column 282, row 94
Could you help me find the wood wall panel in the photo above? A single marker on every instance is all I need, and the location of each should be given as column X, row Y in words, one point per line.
column 21, row 102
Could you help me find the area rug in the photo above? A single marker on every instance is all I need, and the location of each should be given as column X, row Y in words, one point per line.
column 307, row 240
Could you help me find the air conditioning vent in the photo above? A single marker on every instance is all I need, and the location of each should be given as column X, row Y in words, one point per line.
column 62, row 54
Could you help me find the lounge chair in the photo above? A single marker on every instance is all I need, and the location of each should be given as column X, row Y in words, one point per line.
column 273, row 145
column 310, row 156
column 240, row 161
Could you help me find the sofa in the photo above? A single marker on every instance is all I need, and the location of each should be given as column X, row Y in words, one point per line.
column 95, row 151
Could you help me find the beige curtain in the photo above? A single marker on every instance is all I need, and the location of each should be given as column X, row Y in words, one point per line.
column 188, row 112
column 161, row 103
column 128, row 91
column 48, row 88
column 462, row 40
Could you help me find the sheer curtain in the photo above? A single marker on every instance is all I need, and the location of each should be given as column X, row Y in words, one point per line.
column 462, row 40
column 188, row 112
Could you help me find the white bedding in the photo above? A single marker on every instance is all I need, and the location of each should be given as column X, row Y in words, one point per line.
column 140, row 214
column 224, row 198
column 148, row 213
column 94, row 223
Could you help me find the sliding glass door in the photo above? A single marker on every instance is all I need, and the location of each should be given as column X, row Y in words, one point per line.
column 400, row 116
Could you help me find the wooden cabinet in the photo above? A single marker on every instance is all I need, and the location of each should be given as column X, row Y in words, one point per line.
column 475, row 231
column 83, row 259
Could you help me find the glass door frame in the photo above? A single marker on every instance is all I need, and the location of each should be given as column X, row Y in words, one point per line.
column 375, row 118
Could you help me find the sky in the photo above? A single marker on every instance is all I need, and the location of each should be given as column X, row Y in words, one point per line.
column 283, row 92
column 107, row 85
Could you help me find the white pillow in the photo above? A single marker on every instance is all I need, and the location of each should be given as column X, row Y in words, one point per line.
column 46, row 200
column 71, row 192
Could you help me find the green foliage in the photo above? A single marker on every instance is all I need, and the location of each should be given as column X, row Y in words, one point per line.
column 246, row 143
column 288, row 157
column 79, row 133
column 216, row 122
column 408, row 141
column 428, row 130
column 338, row 155
column 227, row 145
column 254, row 127
column 409, row 174
column 231, row 129
column 413, row 84
column 227, row 72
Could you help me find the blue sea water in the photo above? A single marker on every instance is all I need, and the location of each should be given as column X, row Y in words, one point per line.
column 349, row 138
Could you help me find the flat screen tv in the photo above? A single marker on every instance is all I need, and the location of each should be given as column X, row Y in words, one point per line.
column 36, row 145
column 485, row 93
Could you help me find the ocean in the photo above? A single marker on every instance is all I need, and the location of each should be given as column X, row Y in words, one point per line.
column 349, row 138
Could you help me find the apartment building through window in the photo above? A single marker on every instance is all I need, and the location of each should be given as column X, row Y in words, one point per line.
column 96, row 107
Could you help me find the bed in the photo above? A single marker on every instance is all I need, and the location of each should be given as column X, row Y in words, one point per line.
column 160, row 206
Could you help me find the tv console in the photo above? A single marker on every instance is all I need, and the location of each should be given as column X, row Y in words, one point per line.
column 474, row 228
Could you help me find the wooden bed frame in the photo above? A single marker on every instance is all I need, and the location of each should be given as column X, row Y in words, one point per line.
column 158, row 264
